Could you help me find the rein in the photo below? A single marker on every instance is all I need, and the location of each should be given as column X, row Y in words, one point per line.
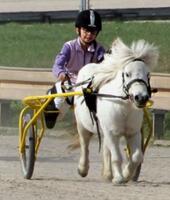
column 89, row 81
column 110, row 95
column 69, row 87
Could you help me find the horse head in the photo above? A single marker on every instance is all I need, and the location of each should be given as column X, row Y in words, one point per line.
column 136, row 72
column 136, row 82
column 135, row 63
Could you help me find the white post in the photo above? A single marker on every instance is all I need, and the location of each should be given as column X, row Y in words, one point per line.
column 84, row 4
column 0, row 113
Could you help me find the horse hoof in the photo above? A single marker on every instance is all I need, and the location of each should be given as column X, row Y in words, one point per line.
column 118, row 180
column 126, row 176
column 82, row 174
column 107, row 178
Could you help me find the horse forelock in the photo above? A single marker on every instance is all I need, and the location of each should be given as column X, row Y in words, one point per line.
column 120, row 56
column 145, row 51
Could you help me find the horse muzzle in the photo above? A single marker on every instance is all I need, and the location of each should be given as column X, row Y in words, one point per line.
column 139, row 100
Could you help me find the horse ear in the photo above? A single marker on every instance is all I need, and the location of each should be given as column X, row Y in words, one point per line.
column 117, row 42
column 119, row 47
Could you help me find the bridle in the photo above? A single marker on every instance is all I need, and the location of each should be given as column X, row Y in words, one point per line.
column 126, row 87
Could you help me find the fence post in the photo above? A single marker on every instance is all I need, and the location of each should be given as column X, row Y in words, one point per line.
column 0, row 113
column 84, row 4
column 158, row 123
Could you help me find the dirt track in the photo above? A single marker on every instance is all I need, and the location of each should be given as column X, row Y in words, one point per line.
column 55, row 175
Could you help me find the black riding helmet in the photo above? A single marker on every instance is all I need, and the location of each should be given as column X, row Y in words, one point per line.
column 89, row 19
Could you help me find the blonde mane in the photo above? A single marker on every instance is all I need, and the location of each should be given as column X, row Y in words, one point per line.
column 120, row 56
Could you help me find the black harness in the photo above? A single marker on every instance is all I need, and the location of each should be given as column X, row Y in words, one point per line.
column 90, row 98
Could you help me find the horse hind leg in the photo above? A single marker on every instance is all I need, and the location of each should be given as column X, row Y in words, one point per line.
column 84, row 137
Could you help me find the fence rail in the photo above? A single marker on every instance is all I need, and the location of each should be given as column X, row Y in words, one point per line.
column 16, row 83
column 161, row 13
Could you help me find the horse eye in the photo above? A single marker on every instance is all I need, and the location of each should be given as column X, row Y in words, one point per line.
column 127, row 74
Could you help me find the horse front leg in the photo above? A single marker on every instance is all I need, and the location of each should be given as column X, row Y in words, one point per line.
column 84, row 137
column 135, row 157
column 107, row 167
column 112, row 143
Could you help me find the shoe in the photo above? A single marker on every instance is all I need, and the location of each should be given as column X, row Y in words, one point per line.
column 51, row 113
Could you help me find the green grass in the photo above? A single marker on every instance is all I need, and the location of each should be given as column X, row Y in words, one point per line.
column 32, row 45
column 35, row 45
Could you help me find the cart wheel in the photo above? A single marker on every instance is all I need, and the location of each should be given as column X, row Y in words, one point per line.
column 28, row 156
column 137, row 173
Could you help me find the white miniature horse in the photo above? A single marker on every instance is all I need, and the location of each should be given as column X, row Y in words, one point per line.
column 123, row 73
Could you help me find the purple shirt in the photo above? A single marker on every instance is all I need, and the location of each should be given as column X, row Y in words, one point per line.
column 72, row 57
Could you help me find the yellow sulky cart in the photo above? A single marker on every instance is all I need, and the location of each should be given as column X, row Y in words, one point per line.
column 32, row 128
